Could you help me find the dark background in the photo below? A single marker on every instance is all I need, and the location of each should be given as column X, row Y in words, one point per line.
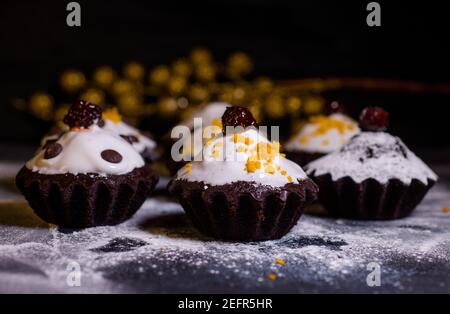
column 287, row 39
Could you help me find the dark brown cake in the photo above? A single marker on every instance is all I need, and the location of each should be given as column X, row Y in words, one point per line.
column 244, row 211
column 86, row 200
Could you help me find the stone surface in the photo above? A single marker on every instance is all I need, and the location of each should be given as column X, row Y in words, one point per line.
column 159, row 251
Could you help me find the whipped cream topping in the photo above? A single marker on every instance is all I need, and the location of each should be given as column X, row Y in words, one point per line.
column 209, row 115
column 376, row 155
column 324, row 134
column 82, row 153
column 121, row 128
column 242, row 156
column 115, row 124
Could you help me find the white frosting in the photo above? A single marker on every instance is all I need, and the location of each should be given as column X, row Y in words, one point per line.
column 223, row 162
column 210, row 112
column 122, row 128
column 81, row 154
column 388, row 161
column 309, row 140
column 209, row 115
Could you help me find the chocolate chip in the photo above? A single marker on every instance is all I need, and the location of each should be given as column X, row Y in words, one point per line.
column 101, row 123
column 130, row 138
column 49, row 142
column 53, row 150
column 111, row 156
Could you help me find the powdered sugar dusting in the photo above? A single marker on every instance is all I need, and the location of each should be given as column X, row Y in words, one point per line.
column 159, row 251
column 376, row 155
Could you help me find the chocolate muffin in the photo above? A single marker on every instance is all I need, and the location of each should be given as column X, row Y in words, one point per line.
column 243, row 189
column 320, row 136
column 88, row 176
column 373, row 176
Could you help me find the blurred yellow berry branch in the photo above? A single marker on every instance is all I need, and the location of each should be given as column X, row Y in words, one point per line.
column 174, row 91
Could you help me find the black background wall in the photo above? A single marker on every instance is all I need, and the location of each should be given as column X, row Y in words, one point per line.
column 287, row 39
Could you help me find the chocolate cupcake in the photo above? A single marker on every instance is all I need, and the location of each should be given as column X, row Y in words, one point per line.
column 243, row 189
column 373, row 176
column 88, row 176
column 320, row 136
column 209, row 115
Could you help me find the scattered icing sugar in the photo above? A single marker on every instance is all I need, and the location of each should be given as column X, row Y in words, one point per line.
column 376, row 155
column 159, row 251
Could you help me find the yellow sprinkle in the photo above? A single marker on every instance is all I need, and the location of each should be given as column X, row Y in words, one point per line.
column 216, row 122
column 278, row 168
column 283, row 155
column 252, row 165
column 303, row 140
column 269, row 168
column 272, row 277
column 445, row 210
column 112, row 114
column 188, row 167
column 241, row 149
column 283, row 172
column 248, row 141
column 289, row 179
column 280, row 261
column 215, row 153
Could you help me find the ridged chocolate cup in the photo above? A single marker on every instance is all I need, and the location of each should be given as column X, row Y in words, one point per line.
column 370, row 199
column 302, row 158
column 86, row 200
column 244, row 211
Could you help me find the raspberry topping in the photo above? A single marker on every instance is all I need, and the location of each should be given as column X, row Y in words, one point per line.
column 374, row 119
column 238, row 116
column 83, row 114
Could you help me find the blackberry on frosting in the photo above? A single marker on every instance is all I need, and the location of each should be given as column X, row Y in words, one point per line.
column 83, row 114
column 235, row 116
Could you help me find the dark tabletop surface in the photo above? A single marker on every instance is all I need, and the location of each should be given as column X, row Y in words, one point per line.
column 158, row 251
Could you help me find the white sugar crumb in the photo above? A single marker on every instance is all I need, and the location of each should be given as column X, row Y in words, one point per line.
column 376, row 155
column 159, row 251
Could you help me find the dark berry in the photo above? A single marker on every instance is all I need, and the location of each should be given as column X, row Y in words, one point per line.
column 83, row 114
column 334, row 107
column 374, row 119
column 238, row 116
column 130, row 138
column 111, row 156
column 53, row 150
